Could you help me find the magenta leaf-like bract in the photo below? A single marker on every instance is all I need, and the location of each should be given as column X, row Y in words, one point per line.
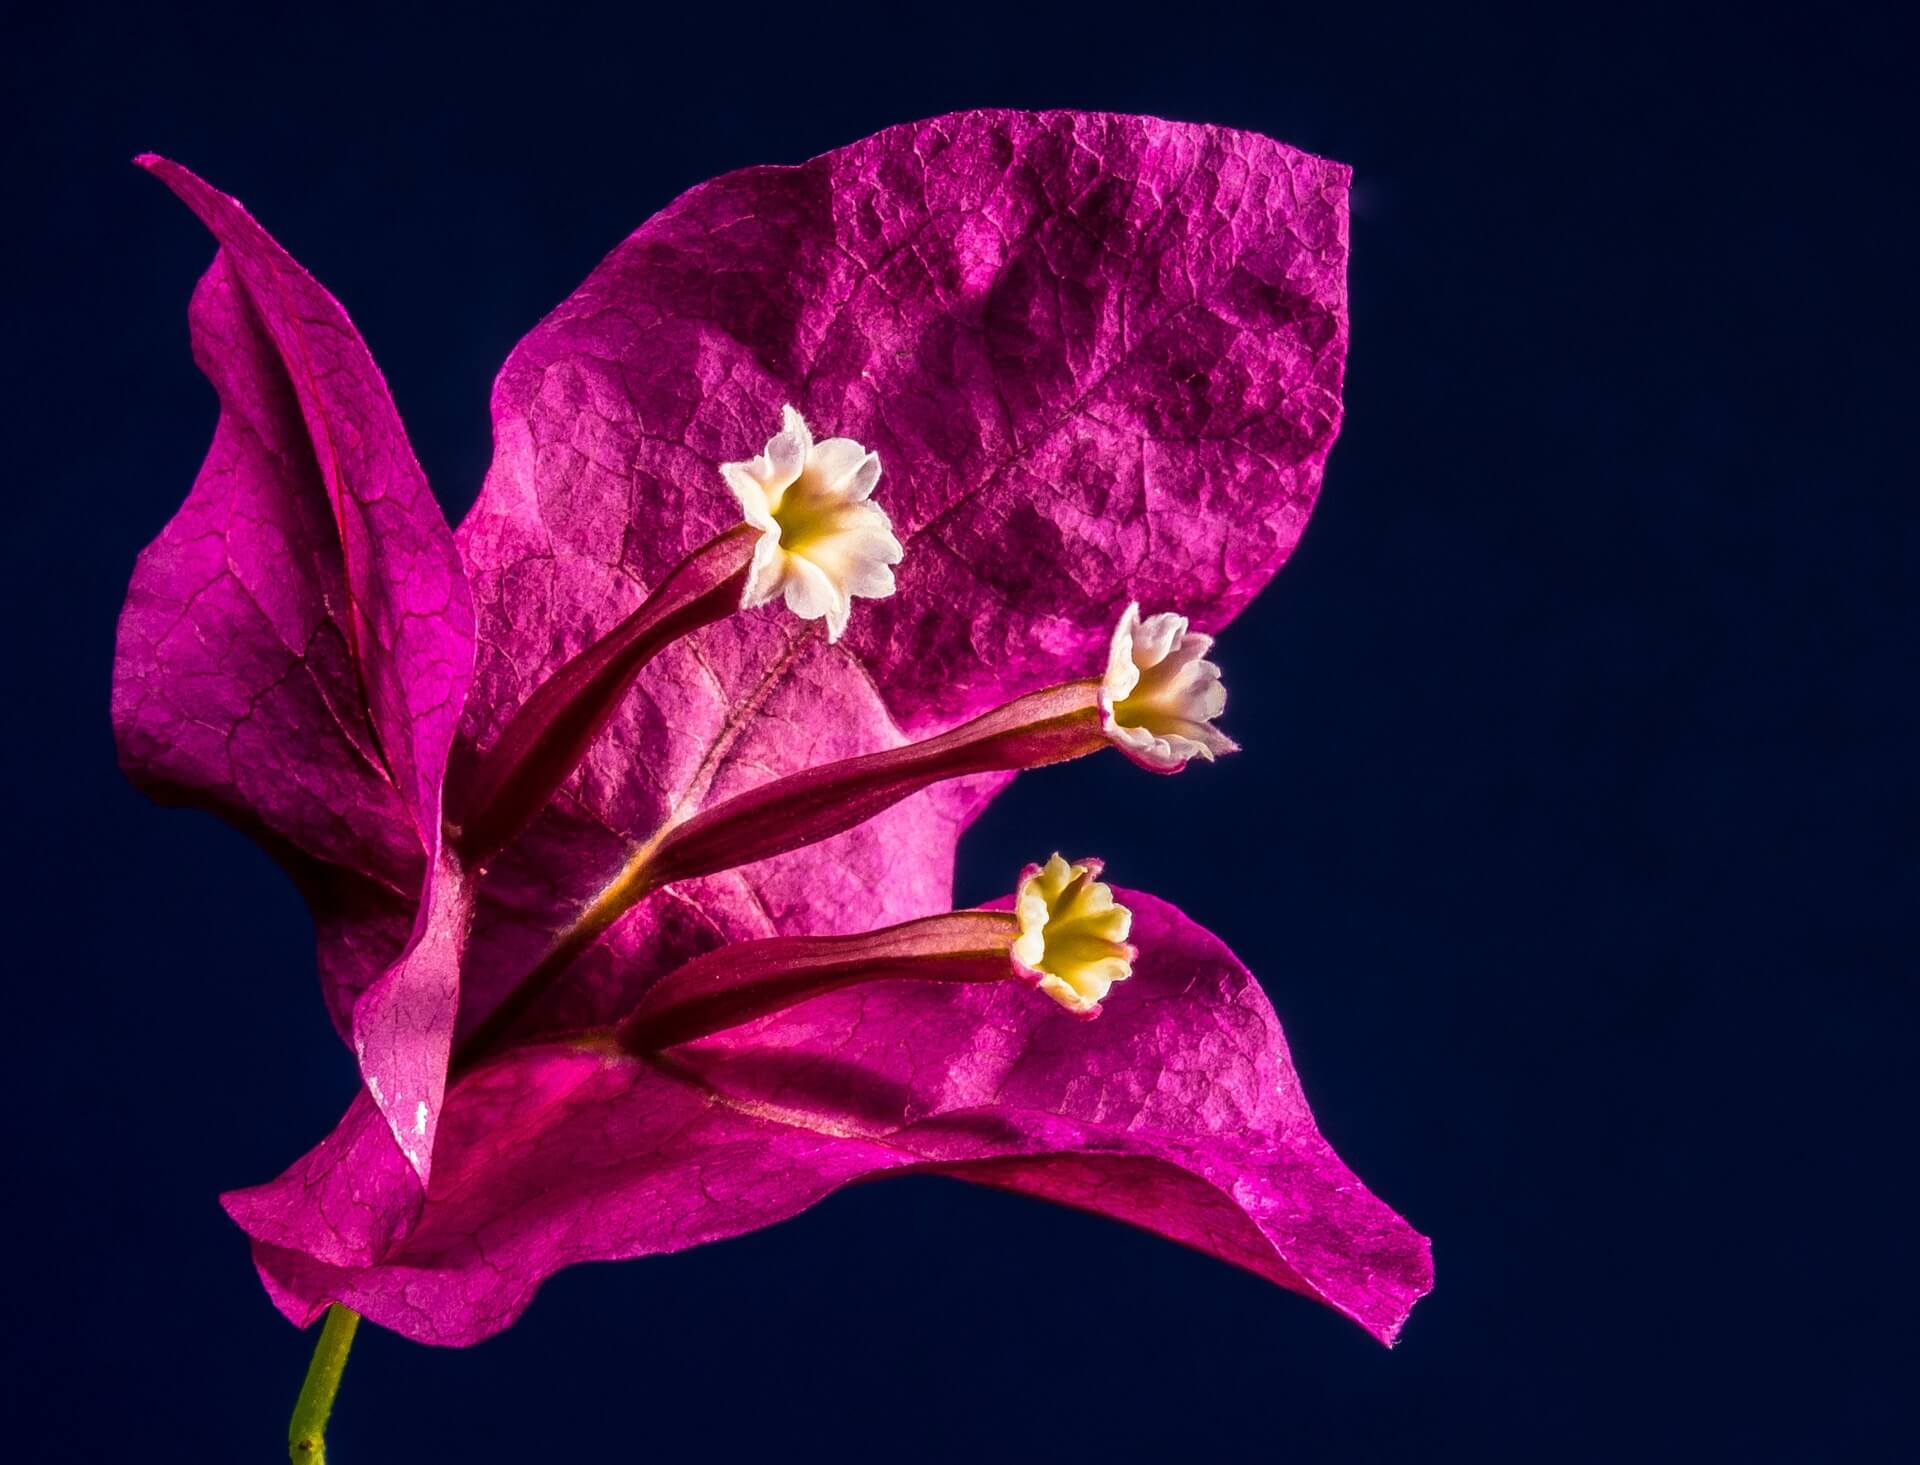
column 1100, row 360
column 297, row 645
column 1178, row 1111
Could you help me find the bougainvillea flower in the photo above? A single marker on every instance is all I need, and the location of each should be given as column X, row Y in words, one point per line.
column 598, row 744
column 822, row 538
column 1159, row 696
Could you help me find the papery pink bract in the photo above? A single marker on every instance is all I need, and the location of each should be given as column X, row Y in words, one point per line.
column 1178, row 1111
column 1100, row 358
column 297, row 645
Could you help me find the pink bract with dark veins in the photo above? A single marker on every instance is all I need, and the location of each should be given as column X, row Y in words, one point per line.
column 1099, row 359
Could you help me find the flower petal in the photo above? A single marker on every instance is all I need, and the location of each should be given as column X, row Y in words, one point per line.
column 787, row 453
column 840, row 461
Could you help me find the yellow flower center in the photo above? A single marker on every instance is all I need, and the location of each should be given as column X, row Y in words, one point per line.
column 1073, row 934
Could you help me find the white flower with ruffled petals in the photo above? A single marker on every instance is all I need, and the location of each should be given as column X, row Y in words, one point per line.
column 822, row 538
column 1160, row 696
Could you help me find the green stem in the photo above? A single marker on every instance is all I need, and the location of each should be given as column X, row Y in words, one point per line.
column 307, row 1434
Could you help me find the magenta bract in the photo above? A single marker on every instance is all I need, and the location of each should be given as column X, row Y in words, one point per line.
column 297, row 645
column 1100, row 358
column 1178, row 1111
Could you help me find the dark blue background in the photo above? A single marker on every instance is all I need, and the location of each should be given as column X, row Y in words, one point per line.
column 1574, row 838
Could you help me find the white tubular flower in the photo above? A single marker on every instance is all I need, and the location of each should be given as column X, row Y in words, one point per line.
column 822, row 541
column 1073, row 934
column 1159, row 696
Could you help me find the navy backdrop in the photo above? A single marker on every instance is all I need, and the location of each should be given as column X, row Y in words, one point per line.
column 1573, row 842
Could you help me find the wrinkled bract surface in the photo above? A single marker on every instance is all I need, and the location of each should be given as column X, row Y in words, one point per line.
column 297, row 645
column 1100, row 358
column 1178, row 1111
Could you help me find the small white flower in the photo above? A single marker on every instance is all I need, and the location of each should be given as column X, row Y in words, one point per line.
column 822, row 541
column 1073, row 934
column 1159, row 696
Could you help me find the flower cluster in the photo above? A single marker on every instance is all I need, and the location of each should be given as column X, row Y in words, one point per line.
column 632, row 890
